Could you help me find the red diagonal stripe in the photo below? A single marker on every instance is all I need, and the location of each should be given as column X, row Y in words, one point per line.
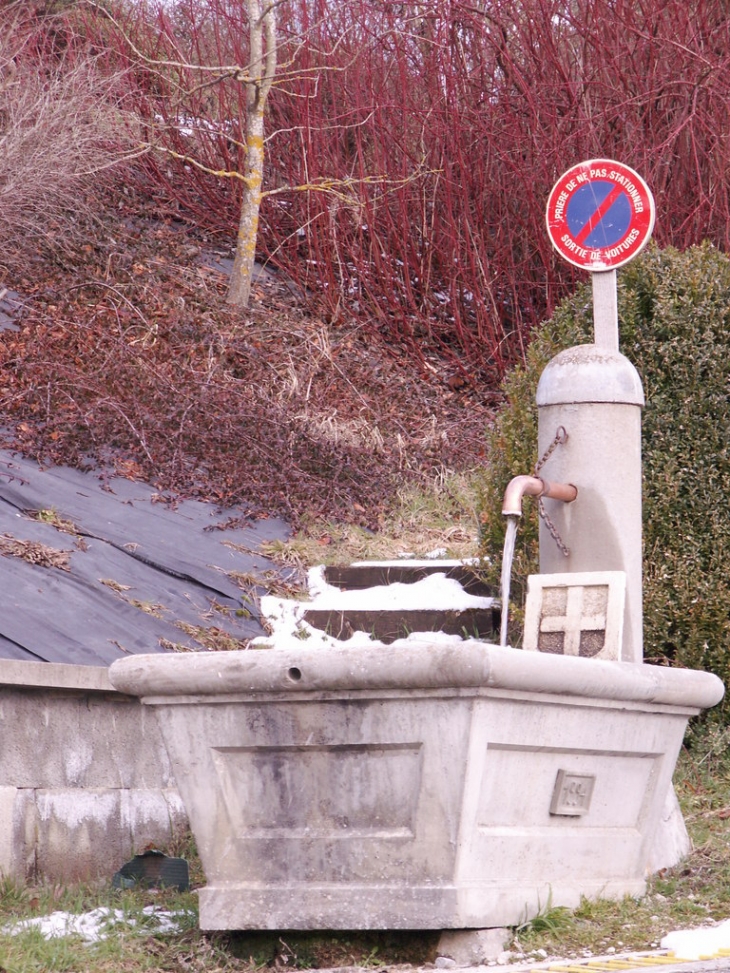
column 596, row 218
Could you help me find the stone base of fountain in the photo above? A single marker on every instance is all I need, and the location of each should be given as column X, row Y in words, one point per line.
column 422, row 787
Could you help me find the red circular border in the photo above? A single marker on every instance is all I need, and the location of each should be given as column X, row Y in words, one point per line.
column 557, row 208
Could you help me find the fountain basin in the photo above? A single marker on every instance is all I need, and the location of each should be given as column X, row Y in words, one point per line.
column 414, row 787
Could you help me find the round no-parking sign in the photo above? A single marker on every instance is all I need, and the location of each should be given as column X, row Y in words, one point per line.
column 600, row 214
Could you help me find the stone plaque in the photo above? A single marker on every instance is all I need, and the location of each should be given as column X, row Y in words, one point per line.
column 576, row 614
column 572, row 793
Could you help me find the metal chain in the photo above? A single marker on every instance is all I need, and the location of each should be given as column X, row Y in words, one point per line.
column 552, row 529
column 561, row 436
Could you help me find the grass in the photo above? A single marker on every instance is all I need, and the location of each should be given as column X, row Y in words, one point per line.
column 136, row 948
column 437, row 515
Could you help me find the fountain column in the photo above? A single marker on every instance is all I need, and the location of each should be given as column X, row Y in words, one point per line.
column 595, row 394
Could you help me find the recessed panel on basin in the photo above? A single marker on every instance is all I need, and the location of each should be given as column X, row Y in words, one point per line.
column 342, row 790
column 528, row 820
column 518, row 788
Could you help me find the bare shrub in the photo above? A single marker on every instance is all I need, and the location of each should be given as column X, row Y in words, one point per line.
column 487, row 102
column 60, row 134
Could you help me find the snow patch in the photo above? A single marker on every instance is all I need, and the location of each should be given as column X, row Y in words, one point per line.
column 98, row 924
column 695, row 944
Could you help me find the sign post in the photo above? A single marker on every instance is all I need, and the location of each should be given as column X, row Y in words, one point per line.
column 600, row 215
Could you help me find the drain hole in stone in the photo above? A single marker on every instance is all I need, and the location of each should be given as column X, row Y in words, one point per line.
column 295, row 674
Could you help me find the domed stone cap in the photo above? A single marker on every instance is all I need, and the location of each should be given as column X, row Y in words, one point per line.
column 588, row 373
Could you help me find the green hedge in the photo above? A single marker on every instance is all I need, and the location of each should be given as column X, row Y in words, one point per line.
column 674, row 312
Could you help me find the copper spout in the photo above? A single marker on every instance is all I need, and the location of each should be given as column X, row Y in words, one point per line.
column 534, row 486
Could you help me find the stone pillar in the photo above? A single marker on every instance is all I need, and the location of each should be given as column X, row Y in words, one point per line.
column 595, row 393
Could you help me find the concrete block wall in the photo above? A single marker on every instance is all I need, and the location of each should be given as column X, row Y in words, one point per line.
column 85, row 780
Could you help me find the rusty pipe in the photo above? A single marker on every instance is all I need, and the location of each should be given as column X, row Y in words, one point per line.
column 534, row 486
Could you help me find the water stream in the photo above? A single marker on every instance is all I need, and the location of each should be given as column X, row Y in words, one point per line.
column 507, row 555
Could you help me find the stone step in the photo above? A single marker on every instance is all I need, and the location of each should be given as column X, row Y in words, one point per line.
column 392, row 620
column 369, row 574
column 390, row 624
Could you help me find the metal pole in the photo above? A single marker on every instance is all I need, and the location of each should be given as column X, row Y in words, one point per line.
column 605, row 310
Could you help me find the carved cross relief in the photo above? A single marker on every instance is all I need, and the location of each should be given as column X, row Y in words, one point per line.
column 576, row 614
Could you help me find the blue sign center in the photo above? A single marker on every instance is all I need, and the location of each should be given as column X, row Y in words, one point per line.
column 586, row 203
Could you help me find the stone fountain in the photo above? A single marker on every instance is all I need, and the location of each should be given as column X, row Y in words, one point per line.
column 449, row 786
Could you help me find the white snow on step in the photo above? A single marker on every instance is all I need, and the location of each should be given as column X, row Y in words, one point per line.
column 285, row 617
column 435, row 592
column 408, row 561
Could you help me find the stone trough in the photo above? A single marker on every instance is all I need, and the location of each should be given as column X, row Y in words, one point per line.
column 428, row 786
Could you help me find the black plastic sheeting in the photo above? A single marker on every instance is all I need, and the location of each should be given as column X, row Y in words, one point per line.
column 153, row 870
column 127, row 546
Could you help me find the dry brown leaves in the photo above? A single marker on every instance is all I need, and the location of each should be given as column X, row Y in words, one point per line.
column 35, row 553
column 127, row 356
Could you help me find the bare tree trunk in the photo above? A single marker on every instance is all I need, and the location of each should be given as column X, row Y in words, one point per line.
column 262, row 27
